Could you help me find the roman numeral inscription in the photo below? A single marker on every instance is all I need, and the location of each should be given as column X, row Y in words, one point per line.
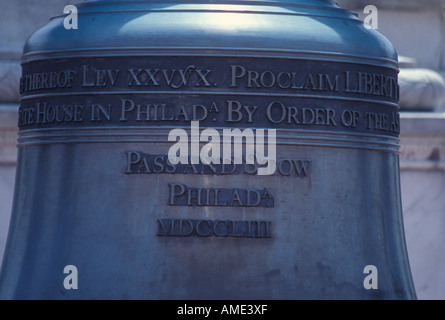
column 214, row 228
column 172, row 78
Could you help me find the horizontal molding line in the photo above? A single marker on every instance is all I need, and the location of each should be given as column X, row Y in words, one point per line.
column 221, row 6
column 211, row 93
column 224, row 3
column 245, row 10
column 301, row 143
column 159, row 135
column 166, row 129
column 212, row 52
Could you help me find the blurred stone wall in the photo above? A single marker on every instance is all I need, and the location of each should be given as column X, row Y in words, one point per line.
column 415, row 27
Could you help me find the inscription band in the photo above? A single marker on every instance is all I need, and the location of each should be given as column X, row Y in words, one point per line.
column 212, row 93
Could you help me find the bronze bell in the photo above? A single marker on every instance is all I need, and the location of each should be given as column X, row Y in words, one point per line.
column 208, row 150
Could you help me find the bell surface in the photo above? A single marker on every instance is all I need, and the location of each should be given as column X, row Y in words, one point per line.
column 208, row 150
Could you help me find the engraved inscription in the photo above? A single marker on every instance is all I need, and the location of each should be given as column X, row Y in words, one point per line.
column 239, row 75
column 218, row 92
column 207, row 74
column 200, row 73
column 214, row 228
column 376, row 84
column 97, row 77
column 183, row 195
column 371, row 84
column 47, row 80
column 130, row 110
column 263, row 113
column 44, row 113
column 173, row 78
column 138, row 162
column 316, row 100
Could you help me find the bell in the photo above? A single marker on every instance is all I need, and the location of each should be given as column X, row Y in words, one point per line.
column 207, row 150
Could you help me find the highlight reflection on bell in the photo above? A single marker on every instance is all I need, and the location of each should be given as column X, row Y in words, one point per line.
column 97, row 191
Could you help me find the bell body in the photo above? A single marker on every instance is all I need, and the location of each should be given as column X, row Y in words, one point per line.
column 97, row 190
